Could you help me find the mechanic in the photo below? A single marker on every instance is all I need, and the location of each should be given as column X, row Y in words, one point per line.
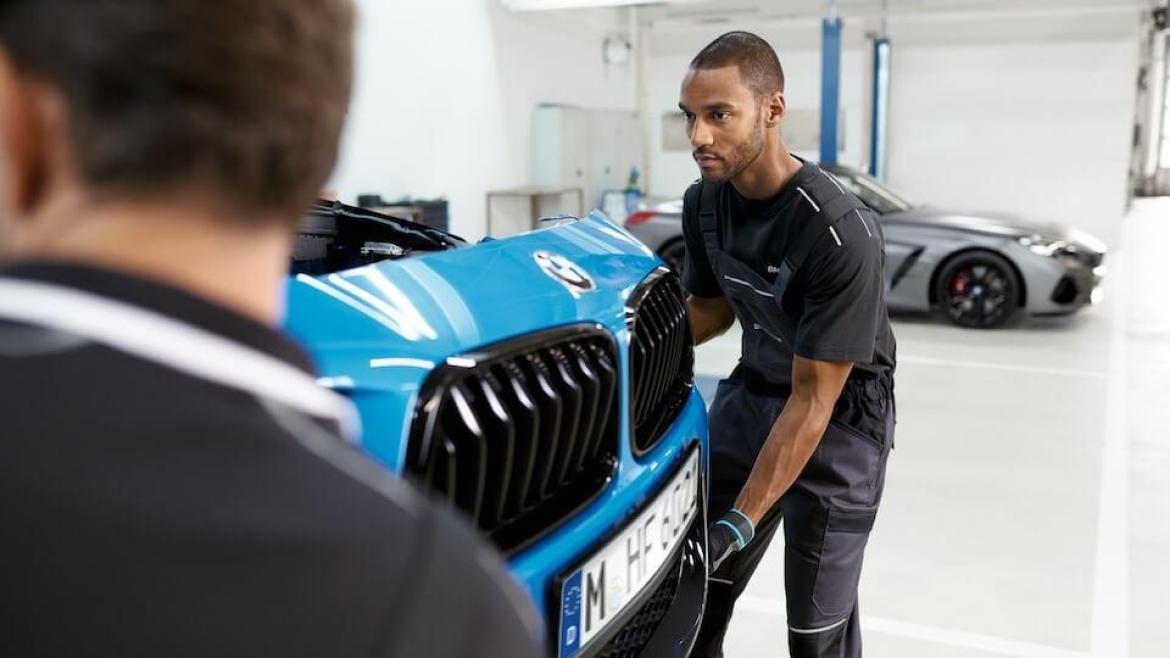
column 174, row 481
column 801, row 429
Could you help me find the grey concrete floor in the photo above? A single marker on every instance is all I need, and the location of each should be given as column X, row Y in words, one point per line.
column 1027, row 510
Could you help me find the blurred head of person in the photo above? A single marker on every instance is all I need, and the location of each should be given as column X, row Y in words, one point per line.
column 143, row 117
column 732, row 97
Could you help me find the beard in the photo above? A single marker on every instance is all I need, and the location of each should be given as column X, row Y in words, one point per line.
column 740, row 158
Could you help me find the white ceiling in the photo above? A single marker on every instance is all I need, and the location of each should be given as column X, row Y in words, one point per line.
column 684, row 25
column 706, row 10
column 811, row 7
column 910, row 21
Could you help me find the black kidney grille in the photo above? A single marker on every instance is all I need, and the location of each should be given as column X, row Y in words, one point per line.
column 524, row 434
column 663, row 357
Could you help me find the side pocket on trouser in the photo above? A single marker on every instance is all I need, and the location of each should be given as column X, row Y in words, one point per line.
column 822, row 569
column 839, row 571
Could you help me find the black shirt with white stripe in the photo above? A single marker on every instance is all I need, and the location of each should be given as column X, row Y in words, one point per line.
column 150, row 512
column 838, row 295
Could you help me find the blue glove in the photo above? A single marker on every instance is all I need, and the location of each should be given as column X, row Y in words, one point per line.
column 728, row 535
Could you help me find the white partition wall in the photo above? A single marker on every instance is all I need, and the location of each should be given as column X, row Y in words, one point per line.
column 444, row 94
column 1009, row 108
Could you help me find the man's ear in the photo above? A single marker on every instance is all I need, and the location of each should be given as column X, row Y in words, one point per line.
column 24, row 147
column 775, row 108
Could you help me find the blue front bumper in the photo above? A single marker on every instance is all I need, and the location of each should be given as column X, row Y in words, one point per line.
column 634, row 482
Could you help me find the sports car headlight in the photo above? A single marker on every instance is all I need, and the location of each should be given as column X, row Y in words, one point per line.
column 1043, row 246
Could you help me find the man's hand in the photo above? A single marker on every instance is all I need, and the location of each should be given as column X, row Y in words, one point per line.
column 727, row 536
column 710, row 316
column 795, row 435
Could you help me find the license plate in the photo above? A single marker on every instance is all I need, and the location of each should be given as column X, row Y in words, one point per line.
column 607, row 583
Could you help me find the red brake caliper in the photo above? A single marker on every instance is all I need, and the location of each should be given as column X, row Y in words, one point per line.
column 959, row 285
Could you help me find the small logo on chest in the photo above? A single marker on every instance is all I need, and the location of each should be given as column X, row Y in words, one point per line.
column 772, row 269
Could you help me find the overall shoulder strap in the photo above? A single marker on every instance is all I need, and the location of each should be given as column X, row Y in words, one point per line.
column 831, row 203
column 709, row 199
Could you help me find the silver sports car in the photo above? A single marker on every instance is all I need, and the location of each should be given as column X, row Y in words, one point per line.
column 978, row 268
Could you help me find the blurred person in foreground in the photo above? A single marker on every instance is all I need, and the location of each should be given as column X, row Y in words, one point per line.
column 174, row 482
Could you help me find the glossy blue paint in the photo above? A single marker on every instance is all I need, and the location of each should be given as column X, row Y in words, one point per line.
column 376, row 332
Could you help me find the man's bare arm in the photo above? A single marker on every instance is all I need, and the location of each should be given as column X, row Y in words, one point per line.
column 795, row 434
column 710, row 317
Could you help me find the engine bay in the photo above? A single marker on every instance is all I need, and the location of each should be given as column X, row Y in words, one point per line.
column 334, row 236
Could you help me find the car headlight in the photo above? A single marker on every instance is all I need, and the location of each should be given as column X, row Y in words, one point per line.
column 1043, row 246
column 1090, row 242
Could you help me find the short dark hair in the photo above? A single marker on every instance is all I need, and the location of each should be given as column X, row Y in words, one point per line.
column 247, row 96
column 757, row 61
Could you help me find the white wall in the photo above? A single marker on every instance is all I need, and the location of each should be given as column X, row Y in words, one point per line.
column 1038, row 129
column 444, row 91
column 1029, row 114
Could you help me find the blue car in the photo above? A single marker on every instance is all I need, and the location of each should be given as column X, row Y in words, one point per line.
column 540, row 384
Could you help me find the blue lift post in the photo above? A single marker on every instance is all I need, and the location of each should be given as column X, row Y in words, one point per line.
column 879, row 119
column 830, row 86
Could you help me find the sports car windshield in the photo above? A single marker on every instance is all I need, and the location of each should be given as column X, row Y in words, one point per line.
column 871, row 192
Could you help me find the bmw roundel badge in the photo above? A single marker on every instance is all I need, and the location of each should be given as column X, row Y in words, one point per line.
column 565, row 271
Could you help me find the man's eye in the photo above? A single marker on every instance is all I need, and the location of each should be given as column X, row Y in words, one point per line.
column 688, row 116
column 722, row 116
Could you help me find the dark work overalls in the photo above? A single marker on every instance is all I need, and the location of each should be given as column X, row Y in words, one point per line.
column 829, row 511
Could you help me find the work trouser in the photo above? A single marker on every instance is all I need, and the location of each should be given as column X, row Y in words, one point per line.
column 827, row 514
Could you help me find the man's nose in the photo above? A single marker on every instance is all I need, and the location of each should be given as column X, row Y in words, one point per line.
column 700, row 135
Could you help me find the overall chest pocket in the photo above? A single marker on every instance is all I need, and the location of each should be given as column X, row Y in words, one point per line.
column 757, row 307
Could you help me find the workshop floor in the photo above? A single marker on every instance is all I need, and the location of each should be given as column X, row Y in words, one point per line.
column 1027, row 510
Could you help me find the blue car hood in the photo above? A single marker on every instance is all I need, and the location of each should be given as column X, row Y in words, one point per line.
column 415, row 312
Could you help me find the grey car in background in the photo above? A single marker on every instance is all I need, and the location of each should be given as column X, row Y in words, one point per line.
column 978, row 268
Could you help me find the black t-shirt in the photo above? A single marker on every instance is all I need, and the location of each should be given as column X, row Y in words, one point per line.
column 837, row 296
column 151, row 512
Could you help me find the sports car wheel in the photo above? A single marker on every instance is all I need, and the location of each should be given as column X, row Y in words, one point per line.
column 978, row 289
column 672, row 253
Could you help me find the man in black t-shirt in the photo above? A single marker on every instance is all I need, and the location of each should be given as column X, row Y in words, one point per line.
column 174, row 481
column 801, row 430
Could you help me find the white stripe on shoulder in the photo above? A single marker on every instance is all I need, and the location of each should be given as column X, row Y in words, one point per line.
column 836, row 237
column 808, row 198
column 831, row 178
column 176, row 345
column 862, row 219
